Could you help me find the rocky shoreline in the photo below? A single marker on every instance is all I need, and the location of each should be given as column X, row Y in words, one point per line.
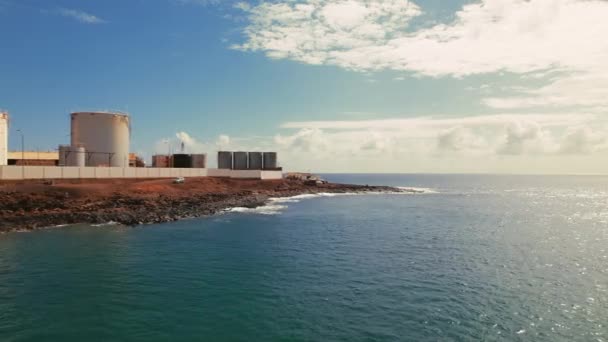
column 37, row 206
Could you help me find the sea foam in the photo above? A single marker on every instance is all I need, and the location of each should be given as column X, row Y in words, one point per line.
column 276, row 205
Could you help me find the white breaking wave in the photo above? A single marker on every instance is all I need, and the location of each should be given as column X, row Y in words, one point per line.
column 111, row 223
column 414, row 190
column 276, row 205
column 268, row 209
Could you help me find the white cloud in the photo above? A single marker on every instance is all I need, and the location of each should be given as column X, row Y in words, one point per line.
column 490, row 36
column 583, row 140
column 81, row 16
column 526, row 137
column 461, row 140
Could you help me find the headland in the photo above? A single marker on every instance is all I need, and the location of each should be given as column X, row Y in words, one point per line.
column 27, row 205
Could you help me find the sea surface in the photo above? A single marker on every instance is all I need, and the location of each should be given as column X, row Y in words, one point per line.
column 459, row 258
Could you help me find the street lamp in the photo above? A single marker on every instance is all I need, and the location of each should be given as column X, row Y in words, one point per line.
column 22, row 154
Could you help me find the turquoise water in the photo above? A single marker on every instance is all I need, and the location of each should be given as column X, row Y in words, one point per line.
column 472, row 258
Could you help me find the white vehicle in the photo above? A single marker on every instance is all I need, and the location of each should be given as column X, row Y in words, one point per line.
column 179, row 180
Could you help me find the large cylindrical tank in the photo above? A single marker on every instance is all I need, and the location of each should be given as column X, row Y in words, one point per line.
column 270, row 160
column 183, row 161
column 255, row 161
column 3, row 138
column 199, row 161
column 240, row 160
column 104, row 135
column 224, row 160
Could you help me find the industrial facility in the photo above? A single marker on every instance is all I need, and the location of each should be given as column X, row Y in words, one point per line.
column 99, row 148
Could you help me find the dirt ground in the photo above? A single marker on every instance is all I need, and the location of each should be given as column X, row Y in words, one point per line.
column 105, row 187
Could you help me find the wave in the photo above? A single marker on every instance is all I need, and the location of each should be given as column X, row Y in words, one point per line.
column 110, row 223
column 268, row 209
column 276, row 205
column 413, row 190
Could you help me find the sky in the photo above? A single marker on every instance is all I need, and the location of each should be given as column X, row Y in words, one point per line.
column 395, row 86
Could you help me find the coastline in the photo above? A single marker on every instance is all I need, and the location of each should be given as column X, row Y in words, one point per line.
column 33, row 205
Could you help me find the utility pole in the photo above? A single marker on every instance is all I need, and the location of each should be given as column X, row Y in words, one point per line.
column 22, row 154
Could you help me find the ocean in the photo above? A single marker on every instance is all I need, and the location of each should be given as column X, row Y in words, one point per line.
column 458, row 258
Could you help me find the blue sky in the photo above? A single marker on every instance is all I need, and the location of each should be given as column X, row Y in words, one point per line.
column 354, row 96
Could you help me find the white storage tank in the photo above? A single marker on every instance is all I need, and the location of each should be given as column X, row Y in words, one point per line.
column 104, row 135
column 3, row 138
column 72, row 156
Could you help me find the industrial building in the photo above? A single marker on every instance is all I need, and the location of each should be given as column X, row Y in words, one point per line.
column 161, row 160
column 33, row 158
column 3, row 138
column 136, row 161
column 105, row 137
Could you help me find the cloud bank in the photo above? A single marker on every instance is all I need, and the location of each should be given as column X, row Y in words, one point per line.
column 559, row 41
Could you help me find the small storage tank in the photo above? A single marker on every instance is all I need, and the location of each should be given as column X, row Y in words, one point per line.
column 199, row 161
column 77, row 156
column 3, row 138
column 270, row 161
column 72, row 156
column 224, row 160
column 255, row 161
column 240, row 160
column 104, row 135
column 182, row 161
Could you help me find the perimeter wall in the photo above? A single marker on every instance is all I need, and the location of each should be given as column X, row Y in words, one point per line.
column 68, row 172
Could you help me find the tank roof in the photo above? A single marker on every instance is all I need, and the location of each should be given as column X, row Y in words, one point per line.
column 101, row 112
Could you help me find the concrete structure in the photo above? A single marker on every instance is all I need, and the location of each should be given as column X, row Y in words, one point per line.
column 255, row 161
column 270, row 161
column 224, row 160
column 104, row 135
column 161, row 160
column 199, row 161
column 33, row 158
column 240, row 161
column 3, row 138
column 66, row 172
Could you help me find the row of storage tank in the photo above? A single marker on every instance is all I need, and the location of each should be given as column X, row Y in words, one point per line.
column 247, row 160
